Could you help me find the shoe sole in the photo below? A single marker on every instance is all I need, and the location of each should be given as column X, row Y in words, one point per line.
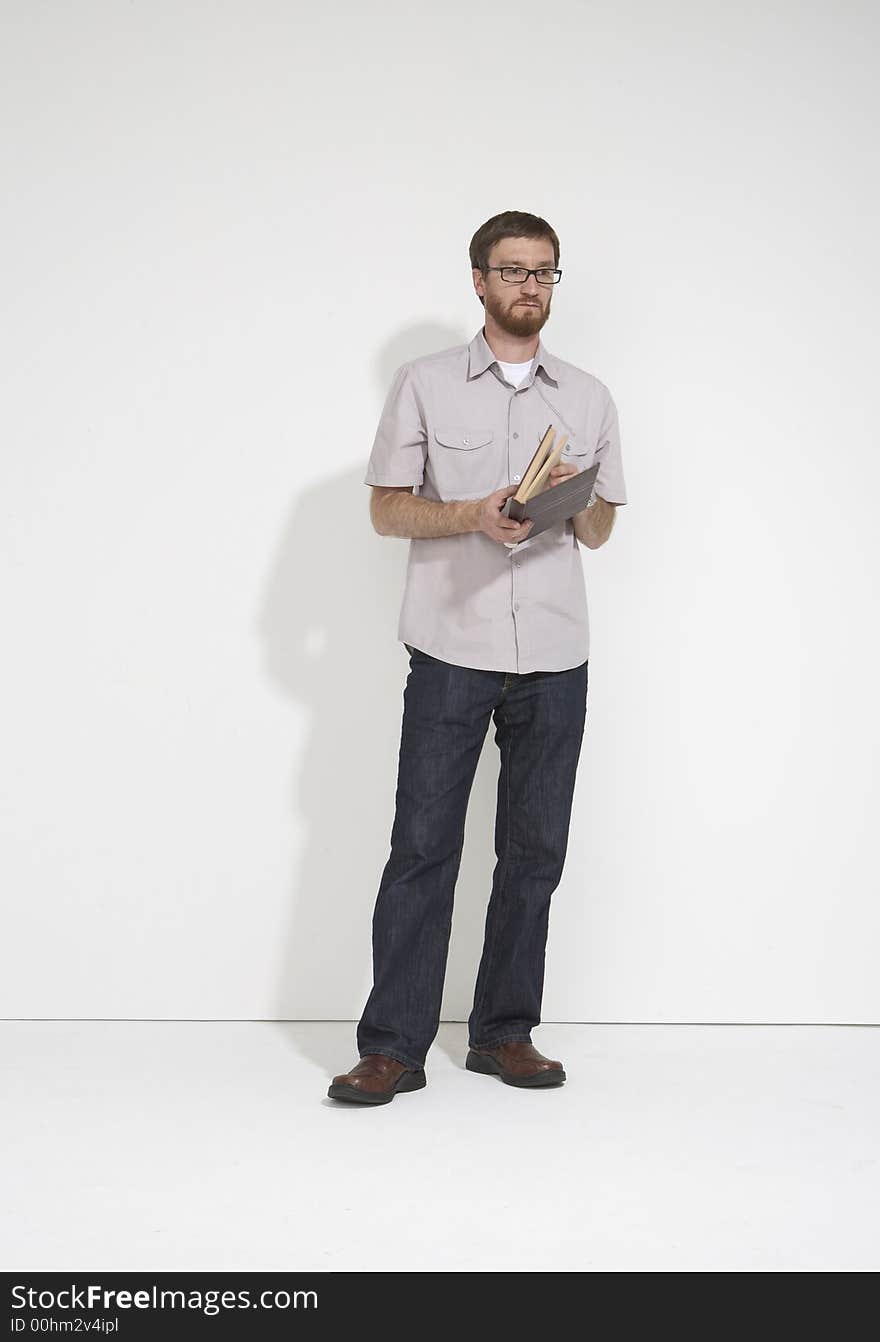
column 481, row 1062
column 341, row 1090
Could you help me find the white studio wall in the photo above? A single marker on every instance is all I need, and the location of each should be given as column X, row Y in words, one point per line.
column 224, row 228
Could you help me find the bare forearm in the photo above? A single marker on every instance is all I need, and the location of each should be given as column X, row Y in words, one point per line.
column 592, row 526
column 409, row 515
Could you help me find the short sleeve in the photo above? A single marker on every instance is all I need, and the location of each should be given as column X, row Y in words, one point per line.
column 609, row 483
column 401, row 443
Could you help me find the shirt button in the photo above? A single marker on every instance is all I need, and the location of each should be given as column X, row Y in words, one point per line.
column 516, row 605
column 516, row 477
column 516, row 564
column 465, row 441
column 516, row 435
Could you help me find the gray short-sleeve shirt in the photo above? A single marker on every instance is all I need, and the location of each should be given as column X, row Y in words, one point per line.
column 454, row 428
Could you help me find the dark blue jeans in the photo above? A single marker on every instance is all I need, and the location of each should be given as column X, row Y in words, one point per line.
column 539, row 725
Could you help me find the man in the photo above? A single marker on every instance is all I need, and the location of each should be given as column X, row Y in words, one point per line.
column 496, row 627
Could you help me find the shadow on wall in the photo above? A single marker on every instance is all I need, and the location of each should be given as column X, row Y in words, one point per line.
column 328, row 626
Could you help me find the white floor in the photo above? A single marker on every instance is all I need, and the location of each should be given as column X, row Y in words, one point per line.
column 213, row 1146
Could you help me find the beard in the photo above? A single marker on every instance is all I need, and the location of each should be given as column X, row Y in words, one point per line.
column 515, row 319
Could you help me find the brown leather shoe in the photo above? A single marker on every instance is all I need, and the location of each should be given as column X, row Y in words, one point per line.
column 518, row 1063
column 376, row 1079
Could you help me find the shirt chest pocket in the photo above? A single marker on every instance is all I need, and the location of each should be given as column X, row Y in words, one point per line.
column 578, row 452
column 464, row 461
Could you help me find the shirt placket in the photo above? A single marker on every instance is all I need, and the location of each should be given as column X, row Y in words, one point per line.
column 518, row 458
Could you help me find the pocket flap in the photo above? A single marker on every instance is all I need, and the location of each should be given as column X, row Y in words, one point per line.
column 463, row 439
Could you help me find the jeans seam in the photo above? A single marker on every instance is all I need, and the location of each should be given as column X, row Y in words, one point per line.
column 502, row 886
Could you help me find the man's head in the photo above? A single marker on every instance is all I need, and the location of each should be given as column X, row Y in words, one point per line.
column 514, row 239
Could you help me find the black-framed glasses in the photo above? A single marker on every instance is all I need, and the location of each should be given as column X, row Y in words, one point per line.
column 519, row 274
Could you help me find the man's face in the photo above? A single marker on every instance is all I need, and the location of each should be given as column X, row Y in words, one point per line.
column 519, row 309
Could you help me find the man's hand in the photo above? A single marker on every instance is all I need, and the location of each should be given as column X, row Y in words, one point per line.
column 496, row 526
column 560, row 471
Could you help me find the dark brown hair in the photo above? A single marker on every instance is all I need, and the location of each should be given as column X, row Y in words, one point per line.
column 509, row 224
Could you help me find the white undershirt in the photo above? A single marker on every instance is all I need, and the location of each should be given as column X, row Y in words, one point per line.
column 515, row 372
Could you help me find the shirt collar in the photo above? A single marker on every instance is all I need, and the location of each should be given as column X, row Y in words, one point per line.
column 480, row 356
